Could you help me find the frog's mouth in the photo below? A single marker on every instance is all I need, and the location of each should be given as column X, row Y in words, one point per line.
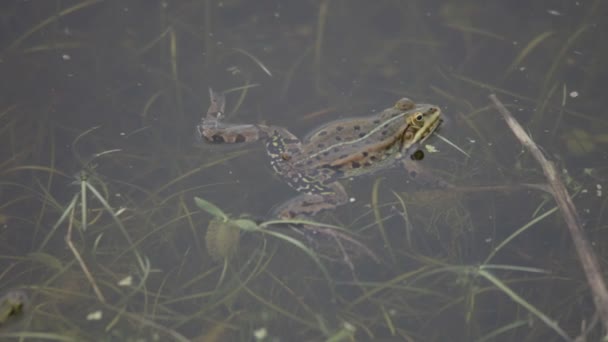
column 431, row 123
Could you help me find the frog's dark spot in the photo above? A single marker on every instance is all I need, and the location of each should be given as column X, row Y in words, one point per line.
column 322, row 133
column 321, row 145
column 357, row 127
column 326, row 153
column 355, row 165
column 318, row 157
column 339, row 128
column 373, row 158
column 367, row 164
column 339, row 138
column 364, row 154
column 361, row 135
column 385, row 126
column 384, row 132
column 218, row 138
column 376, row 122
column 240, row 138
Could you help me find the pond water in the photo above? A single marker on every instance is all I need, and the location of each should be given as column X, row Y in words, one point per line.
column 101, row 235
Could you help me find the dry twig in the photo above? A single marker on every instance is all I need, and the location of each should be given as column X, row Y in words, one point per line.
column 583, row 248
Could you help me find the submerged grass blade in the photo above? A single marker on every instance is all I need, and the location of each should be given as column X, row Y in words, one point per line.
column 517, row 233
column 50, row 20
column 475, row 30
column 59, row 222
column 255, row 59
column 307, row 251
column 562, row 52
column 210, row 208
column 519, row 300
column 40, row 336
column 118, row 222
column 406, row 217
column 318, row 51
column 447, row 141
column 492, row 335
column 527, row 50
column 379, row 221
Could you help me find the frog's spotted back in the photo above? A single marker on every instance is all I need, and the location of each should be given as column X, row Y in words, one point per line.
column 277, row 149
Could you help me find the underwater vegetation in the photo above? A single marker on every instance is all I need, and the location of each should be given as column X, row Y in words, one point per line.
column 116, row 224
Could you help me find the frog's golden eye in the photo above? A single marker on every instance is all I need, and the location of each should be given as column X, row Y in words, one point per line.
column 419, row 117
column 405, row 104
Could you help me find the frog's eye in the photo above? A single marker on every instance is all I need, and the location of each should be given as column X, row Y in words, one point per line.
column 419, row 117
column 405, row 104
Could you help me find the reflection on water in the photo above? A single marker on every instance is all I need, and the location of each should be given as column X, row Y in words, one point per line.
column 115, row 88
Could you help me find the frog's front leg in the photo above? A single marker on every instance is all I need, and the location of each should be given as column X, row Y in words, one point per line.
column 423, row 175
column 212, row 129
column 318, row 197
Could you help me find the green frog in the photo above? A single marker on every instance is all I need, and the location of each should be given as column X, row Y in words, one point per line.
column 340, row 149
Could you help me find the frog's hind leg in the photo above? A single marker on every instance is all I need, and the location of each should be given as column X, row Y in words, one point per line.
column 325, row 197
column 211, row 128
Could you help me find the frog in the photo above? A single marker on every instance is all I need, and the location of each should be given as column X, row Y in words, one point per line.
column 341, row 149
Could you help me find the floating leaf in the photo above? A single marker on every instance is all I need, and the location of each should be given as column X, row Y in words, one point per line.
column 46, row 259
column 210, row 208
column 12, row 304
column 95, row 315
column 246, row 225
column 579, row 142
column 222, row 238
column 126, row 281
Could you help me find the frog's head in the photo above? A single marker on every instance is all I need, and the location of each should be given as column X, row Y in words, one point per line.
column 424, row 119
column 421, row 121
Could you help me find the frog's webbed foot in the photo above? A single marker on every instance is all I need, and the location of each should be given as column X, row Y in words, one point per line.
column 348, row 247
column 217, row 106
